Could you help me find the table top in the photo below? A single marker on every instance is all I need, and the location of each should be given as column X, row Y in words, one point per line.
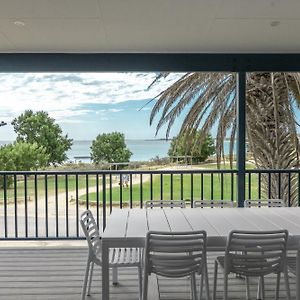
column 131, row 225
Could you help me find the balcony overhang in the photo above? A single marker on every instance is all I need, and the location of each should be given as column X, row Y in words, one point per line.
column 148, row 62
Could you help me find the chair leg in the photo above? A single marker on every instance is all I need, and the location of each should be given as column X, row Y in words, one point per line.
column 115, row 275
column 259, row 289
column 287, row 286
column 215, row 280
column 247, row 288
column 201, row 286
column 277, row 286
column 145, row 287
column 140, row 281
column 206, row 283
column 87, row 271
column 193, row 286
column 90, row 279
column 225, row 286
column 263, row 296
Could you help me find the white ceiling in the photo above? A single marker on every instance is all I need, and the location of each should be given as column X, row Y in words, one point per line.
column 150, row 26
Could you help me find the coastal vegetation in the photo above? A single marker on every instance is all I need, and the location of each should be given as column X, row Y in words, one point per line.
column 110, row 148
column 209, row 99
column 39, row 143
column 21, row 156
column 188, row 145
column 42, row 130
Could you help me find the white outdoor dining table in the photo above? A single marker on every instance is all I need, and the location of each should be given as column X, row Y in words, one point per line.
column 128, row 227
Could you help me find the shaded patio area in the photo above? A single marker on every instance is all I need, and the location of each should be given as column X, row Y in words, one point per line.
column 57, row 273
column 112, row 36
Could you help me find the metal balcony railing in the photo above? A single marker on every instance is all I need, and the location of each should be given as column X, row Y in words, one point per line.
column 47, row 204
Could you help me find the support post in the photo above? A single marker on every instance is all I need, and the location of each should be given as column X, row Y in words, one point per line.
column 103, row 202
column 241, row 137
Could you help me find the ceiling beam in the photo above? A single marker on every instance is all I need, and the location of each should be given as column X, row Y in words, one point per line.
column 142, row 62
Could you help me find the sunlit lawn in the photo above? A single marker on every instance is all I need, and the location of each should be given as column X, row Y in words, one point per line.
column 180, row 189
column 199, row 191
column 51, row 184
column 225, row 166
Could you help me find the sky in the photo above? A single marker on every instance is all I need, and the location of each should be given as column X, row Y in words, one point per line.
column 85, row 104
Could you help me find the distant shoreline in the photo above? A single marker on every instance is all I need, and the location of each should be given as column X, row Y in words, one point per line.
column 142, row 150
column 90, row 140
column 142, row 140
column 150, row 140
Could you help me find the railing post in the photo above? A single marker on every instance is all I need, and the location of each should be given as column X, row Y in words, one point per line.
column 241, row 136
column 103, row 201
column 5, row 205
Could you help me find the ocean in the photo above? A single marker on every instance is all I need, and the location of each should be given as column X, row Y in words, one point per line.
column 142, row 150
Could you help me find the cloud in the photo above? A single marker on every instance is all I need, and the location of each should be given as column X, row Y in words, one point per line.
column 62, row 114
column 66, row 95
column 114, row 110
column 83, row 104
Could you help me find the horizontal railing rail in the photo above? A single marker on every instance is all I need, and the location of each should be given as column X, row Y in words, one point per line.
column 48, row 204
column 185, row 171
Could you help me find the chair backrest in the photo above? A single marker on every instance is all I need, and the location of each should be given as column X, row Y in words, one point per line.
column 256, row 253
column 212, row 203
column 91, row 232
column 264, row 203
column 175, row 254
column 298, row 274
column 165, row 203
column 293, row 263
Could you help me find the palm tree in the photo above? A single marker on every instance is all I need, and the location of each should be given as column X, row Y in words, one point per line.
column 210, row 98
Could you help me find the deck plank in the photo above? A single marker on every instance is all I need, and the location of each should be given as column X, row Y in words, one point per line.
column 57, row 273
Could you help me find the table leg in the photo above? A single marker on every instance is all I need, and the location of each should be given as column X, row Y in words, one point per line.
column 105, row 271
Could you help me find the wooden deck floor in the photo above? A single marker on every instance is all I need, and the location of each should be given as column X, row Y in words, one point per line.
column 57, row 273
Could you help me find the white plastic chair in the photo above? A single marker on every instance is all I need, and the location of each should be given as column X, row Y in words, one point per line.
column 254, row 253
column 118, row 257
column 264, row 203
column 212, row 203
column 174, row 255
column 165, row 203
column 293, row 263
column 261, row 203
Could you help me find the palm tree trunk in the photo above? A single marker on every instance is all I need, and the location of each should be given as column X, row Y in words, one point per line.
column 271, row 133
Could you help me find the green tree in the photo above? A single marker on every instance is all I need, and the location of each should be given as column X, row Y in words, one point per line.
column 209, row 99
column 21, row 156
column 110, row 147
column 39, row 128
column 189, row 145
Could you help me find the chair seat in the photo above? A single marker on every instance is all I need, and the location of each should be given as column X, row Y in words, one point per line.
column 256, row 272
column 123, row 257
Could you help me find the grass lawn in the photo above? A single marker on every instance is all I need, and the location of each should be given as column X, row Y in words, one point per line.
column 61, row 186
column 115, row 195
column 225, row 166
column 188, row 192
